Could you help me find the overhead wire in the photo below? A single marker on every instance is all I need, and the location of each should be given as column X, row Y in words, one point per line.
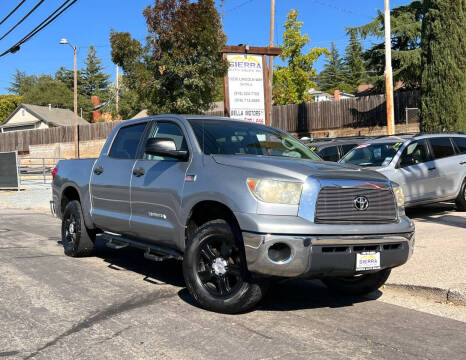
column 12, row 11
column 24, row 18
column 60, row 10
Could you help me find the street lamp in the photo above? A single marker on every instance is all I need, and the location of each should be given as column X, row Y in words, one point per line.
column 76, row 142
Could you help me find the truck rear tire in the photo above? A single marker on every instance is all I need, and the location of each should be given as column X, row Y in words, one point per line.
column 461, row 199
column 359, row 284
column 77, row 239
column 215, row 272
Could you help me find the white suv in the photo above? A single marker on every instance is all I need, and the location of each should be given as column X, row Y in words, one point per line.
column 428, row 167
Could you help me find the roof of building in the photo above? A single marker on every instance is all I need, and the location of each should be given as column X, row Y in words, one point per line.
column 141, row 114
column 49, row 115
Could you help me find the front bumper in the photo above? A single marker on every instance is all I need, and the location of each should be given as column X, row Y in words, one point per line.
column 322, row 256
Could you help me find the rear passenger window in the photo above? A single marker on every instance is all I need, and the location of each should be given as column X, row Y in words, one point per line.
column 125, row 145
column 329, row 153
column 442, row 147
column 460, row 144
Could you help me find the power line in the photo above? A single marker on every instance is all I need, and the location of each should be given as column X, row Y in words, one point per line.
column 12, row 11
column 60, row 10
column 238, row 6
column 341, row 9
column 24, row 18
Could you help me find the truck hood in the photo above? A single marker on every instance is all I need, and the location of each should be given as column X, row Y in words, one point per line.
column 299, row 168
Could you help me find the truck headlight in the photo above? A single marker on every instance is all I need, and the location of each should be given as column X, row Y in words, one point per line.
column 275, row 191
column 400, row 197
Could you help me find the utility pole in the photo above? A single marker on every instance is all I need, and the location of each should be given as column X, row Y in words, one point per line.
column 117, row 93
column 76, row 140
column 270, row 84
column 75, row 96
column 389, row 72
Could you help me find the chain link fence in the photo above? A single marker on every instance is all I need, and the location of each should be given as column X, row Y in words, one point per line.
column 411, row 115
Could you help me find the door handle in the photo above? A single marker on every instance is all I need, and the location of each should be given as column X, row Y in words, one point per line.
column 432, row 168
column 98, row 170
column 462, row 162
column 139, row 172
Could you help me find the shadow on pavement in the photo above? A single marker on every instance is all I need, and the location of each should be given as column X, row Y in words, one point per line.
column 282, row 295
column 308, row 294
column 440, row 213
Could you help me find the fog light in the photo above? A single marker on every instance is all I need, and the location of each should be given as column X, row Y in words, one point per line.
column 280, row 253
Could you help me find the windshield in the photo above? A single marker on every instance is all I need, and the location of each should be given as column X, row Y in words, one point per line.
column 379, row 154
column 244, row 138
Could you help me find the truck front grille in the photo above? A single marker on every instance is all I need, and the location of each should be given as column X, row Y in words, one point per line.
column 336, row 205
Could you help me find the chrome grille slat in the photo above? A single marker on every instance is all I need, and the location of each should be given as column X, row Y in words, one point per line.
column 335, row 205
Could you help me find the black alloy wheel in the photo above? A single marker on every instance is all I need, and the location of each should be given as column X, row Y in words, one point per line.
column 220, row 269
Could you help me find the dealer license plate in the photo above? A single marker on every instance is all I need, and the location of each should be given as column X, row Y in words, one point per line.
column 367, row 261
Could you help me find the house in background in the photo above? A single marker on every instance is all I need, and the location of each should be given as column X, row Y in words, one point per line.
column 30, row 117
column 318, row 95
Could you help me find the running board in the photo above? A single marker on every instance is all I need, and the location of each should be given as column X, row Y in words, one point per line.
column 151, row 252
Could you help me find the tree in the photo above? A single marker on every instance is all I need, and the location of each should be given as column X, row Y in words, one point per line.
column 334, row 74
column 443, row 89
column 355, row 67
column 291, row 83
column 7, row 104
column 177, row 69
column 94, row 80
column 47, row 90
column 21, row 83
column 406, row 41
column 66, row 76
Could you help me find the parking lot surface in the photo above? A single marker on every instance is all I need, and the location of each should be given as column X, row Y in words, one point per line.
column 118, row 305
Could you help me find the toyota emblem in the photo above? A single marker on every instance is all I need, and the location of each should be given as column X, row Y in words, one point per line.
column 361, row 203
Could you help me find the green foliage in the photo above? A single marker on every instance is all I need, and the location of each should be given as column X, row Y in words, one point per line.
column 355, row 66
column 406, row 41
column 7, row 104
column 334, row 74
column 178, row 67
column 66, row 76
column 443, row 89
column 94, row 80
column 292, row 83
column 21, row 83
column 47, row 90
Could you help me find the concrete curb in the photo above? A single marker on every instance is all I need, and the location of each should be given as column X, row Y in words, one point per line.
column 455, row 296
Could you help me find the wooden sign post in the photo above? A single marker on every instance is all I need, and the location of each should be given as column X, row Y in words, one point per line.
column 251, row 50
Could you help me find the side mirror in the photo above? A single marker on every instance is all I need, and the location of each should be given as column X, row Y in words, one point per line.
column 164, row 147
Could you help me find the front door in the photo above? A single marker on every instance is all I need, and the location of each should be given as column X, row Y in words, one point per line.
column 157, row 188
column 416, row 172
column 110, row 181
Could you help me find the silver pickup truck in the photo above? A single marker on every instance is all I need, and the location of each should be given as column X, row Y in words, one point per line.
column 240, row 203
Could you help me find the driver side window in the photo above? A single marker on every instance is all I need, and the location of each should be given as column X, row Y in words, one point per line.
column 415, row 153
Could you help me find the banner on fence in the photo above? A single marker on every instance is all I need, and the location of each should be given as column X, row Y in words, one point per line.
column 246, row 87
column 9, row 178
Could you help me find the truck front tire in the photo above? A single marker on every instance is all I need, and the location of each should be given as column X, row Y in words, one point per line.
column 77, row 240
column 357, row 285
column 215, row 272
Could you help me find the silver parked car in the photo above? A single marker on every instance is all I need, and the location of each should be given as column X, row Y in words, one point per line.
column 429, row 167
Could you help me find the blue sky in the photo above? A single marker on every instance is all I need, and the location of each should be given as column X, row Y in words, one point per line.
column 90, row 21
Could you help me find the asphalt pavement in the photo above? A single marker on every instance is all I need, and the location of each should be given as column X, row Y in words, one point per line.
column 117, row 305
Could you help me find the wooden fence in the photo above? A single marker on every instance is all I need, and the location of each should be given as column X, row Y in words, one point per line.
column 21, row 140
column 365, row 111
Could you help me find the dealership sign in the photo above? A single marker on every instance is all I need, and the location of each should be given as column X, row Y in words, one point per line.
column 246, row 87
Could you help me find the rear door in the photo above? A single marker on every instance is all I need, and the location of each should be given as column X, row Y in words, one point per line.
column 110, row 180
column 446, row 163
column 416, row 172
column 157, row 187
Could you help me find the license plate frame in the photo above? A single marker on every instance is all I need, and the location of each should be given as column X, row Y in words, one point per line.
column 367, row 260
